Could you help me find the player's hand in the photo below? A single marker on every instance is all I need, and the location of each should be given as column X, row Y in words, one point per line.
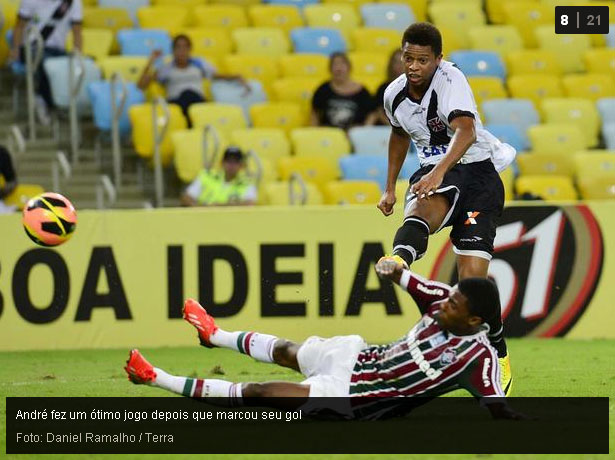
column 389, row 269
column 386, row 203
column 155, row 54
column 428, row 184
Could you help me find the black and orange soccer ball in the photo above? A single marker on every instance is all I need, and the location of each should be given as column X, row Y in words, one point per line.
column 49, row 219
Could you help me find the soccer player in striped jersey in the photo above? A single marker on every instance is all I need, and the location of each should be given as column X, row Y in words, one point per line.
column 447, row 349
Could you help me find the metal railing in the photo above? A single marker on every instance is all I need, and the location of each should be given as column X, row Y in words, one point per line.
column 116, row 113
column 296, row 182
column 257, row 173
column 74, row 87
column 209, row 161
column 32, row 63
column 105, row 189
column 160, row 126
column 61, row 165
column 15, row 140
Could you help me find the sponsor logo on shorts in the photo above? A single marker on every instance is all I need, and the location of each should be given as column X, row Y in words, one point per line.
column 471, row 220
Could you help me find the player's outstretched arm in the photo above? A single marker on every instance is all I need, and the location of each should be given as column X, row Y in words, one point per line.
column 399, row 142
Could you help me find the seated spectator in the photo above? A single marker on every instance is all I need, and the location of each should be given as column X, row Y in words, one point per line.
column 183, row 76
column 8, row 180
column 341, row 102
column 394, row 70
column 53, row 19
column 227, row 187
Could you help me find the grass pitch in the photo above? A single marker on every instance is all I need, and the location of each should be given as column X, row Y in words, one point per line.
column 555, row 367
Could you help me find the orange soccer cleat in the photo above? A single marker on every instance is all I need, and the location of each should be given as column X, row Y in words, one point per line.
column 196, row 315
column 139, row 370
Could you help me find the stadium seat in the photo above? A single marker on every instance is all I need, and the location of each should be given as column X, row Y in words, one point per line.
column 562, row 138
column 318, row 169
column 131, row 6
column 352, row 192
column 298, row 91
column 610, row 37
column 188, row 146
column 285, row 17
column 370, row 167
column 545, row 164
column 141, row 42
column 569, row 48
column 169, row 18
column 297, row 3
column 243, row 3
column 535, row 87
column 224, row 117
column 279, row 194
column 594, row 163
column 327, row 142
column 457, row 16
column 142, row 130
column 97, row 43
column 396, row 16
column 485, row 88
column 260, row 41
column 268, row 143
column 57, row 69
column 185, row 4
column 581, row 112
column 479, row 63
column 317, row 40
column 370, row 82
column 606, row 107
column 129, row 67
column 112, row 19
column 369, row 65
column 254, row 67
column 100, row 98
column 597, row 188
column 608, row 133
column 511, row 134
column 283, row 115
column 533, row 62
column 508, row 180
column 549, row 188
column 500, row 39
column 217, row 15
column 589, row 86
column 304, row 65
column 210, row 41
column 234, row 93
column 525, row 16
column 600, row 60
column 372, row 40
column 370, row 140
column 519, row 112
column 21, row 194
column 332, row 15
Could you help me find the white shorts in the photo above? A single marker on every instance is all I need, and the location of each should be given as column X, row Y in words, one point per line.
column 328, row 363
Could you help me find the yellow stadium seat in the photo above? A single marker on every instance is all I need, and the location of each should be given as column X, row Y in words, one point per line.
column 487, row 88
column 600, row 60
column 224, row 117
column 262, row 68
column 187, row 4
column 370, row 82
column 535, row 87
column 304, row 65
column 279, row 194
column 526, row 16
column 590, row 86
column 284, row 115
column 170, row 18
column 595, row 163
column 112, row 19
column 143, row 131
column 545, row 164
column 369, row 65
column 267, row 143
column 189, row 157
column 242, row 3
column 262, row 170
column 97, row 43
column 568, row 48
column 549, row 188
column 458, row 17
column 562, row 138
column 354, row 3
column 21, row 194
column 8, row 11
column 533, row 62
column 318, row 170
column 285, row 17
column 419, row 8
column 597, row 187
column 372, row 40
column 581, row 112
column 129, row 67
column 327, row 142
column 333, row 15
column 508, row 180
column 296, row 90
column 352, row 192
column 210, row 41
column 501, row 39
column 451, row 41
column 401, row 188
column 260, row 41
column 217, row 15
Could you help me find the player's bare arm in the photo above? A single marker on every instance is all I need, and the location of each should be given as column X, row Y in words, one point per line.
column 399, row 142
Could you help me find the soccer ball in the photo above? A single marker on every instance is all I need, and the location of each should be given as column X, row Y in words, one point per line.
column 49, row 219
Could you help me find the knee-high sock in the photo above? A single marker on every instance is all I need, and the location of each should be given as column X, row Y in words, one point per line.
column 198, row 388
column 254, row 344
column 410, row 242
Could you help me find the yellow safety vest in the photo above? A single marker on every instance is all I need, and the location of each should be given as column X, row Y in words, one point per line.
column 215, row 190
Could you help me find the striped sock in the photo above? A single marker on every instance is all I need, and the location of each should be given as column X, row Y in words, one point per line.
column 258, row 346
column 199, row 388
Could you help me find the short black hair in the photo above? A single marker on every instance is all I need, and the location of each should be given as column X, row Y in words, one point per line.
column 339, row 54
column 483, row 297
column 233, row 153
column 182, row 37
column 423, row 34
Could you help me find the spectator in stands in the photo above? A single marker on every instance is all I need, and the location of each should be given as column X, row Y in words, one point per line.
column 53, row 19
column 394, row 69
column 183, row 76
column 341, row 102
column 227, row 187
column 8, row 180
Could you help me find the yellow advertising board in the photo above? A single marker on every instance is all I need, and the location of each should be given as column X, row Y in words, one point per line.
column 293, row 272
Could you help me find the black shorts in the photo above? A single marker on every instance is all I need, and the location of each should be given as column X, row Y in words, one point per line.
column 476, row 195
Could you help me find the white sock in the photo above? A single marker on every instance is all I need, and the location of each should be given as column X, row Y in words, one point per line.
column 258, row 346
column 198, row 388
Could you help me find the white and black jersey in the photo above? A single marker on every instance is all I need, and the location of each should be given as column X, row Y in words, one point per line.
column 428, row 121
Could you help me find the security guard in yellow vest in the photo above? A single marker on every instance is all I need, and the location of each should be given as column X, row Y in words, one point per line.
column 225, row 187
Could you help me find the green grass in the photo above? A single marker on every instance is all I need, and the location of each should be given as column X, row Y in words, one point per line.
column 553, row 367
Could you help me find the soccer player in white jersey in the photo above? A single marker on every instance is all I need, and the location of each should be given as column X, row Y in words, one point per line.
column 447, row 349
column 458, row 184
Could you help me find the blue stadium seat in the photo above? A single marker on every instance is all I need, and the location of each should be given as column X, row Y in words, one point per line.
column 511, row 134
column 519, row 112
column 317, row 40
column 479, row 63
column 370, row 140
column 100, row 97
column 57, row 69
column 299, row 3
column 606, row 107
column 231, row 92
column 608, row 132
column 141, row 42
column 129, row 5
column 369, row 167
column 610, row 37
column 395, row 16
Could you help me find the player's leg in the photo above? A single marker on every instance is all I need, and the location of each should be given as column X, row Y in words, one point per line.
column 472, row 267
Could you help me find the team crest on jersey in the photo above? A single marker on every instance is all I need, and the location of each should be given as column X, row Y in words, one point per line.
column 449, row 356
column 435, row 124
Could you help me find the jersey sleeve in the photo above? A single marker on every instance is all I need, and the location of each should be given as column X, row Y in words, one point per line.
column 424, row 292
column 388, row 107
column 207, row 69
column 76, row 12
column 194, row 189
column 482, row 377
column 26, row 9
column 456, row 98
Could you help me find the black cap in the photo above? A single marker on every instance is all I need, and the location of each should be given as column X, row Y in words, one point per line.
column 233, row 153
